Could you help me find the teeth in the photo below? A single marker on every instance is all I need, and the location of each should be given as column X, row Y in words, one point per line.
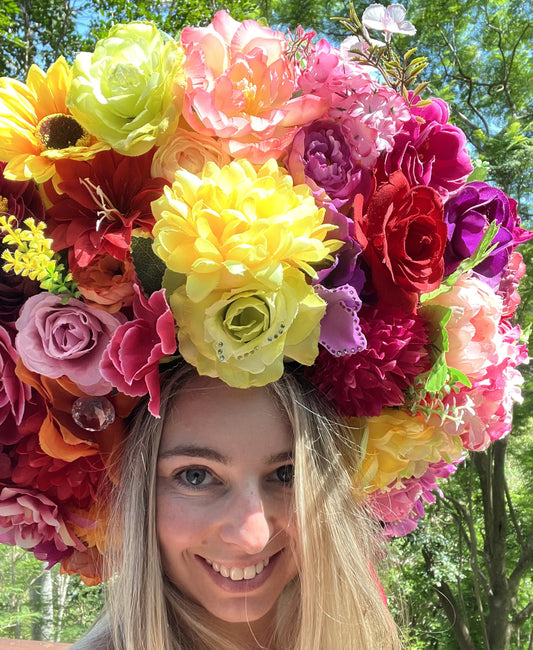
column 236, row 573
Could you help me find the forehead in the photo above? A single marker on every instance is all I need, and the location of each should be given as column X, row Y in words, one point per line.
column 207, row 412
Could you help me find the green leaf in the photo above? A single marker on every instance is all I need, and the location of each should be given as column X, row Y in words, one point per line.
column 149, row 267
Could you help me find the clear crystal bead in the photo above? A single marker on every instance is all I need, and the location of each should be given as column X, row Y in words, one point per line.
column 93, row 413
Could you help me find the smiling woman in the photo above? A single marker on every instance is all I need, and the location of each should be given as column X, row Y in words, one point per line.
column 238, row 528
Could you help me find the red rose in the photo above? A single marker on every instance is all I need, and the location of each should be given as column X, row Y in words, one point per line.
column 403, row 236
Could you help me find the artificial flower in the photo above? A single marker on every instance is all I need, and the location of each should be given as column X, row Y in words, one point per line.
column 21, row 409
column 89, row 565
column 403, row 236
column 472, row 329
column 241, row 87
column 320, row 155
column 397, row 445
column 390, row 20
column 37, row 128
column 429, row 150
column 188, row 150
column 508, row 289
column 365, row 382
column 106, row 282
column 340, row 331
column 59, row 436
column 65, row 339
column 101, row 204
column 468, row 214
column 128, row 92
column 14, row 291
column 238, row 224
column 32, row 521
column 76, row 483
column 242, row 335
column 131, row 361
column 20, row 199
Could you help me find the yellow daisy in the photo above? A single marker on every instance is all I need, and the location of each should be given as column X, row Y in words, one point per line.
column 37, row 128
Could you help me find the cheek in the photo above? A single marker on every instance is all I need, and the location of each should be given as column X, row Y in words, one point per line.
column 179, row 525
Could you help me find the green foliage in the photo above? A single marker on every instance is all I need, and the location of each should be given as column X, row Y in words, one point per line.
column 21, row 577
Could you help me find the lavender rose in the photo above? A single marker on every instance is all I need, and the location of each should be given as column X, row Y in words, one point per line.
column 320, row 154
column 56, row 339
column 468, row 215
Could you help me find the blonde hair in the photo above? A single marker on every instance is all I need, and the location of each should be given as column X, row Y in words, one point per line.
column 334, row 603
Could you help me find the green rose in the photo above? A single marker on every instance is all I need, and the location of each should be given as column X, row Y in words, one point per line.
column 129, row 92
column 243, row 335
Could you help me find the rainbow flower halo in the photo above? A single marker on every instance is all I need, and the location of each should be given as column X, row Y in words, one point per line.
column 246, row 200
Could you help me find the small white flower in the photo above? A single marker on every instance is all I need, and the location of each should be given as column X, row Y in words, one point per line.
column 388, row 19
column 354, row 44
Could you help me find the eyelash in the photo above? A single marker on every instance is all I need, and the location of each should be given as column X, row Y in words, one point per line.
column 278, row 473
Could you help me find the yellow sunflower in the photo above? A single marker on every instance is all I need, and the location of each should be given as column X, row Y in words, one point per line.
column 37, row 128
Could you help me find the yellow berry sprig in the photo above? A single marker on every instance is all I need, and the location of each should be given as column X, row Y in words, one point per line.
column 33, row 256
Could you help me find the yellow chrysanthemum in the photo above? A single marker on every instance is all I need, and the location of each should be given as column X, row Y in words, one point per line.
column 237, row 223
column 397, row 445
column 37, row 128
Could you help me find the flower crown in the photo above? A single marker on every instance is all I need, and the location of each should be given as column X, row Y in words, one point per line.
column 244, row 198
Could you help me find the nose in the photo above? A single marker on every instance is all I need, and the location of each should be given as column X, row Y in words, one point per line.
column 245, row 522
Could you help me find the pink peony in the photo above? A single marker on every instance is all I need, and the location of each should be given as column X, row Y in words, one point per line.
column 58, row 339
column 131, row 362
column 473, row 326
column 241, row 87
column 21, row 409
column 363, row 383
column 33, row 522
column 399, row 507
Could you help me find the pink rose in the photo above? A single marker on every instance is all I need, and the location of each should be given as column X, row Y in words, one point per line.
column 33, row 522
column 131, row 362
column 56, row 339
column 240, row 87
column 20, row 407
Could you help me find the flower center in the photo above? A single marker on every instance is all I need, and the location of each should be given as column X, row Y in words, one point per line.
column 59, row 131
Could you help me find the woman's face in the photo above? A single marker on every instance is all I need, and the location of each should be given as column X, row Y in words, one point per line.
column 224, row 484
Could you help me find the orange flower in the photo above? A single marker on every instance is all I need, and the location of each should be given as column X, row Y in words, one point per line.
column 88, row 564
column 106, row 282
column 59, row 436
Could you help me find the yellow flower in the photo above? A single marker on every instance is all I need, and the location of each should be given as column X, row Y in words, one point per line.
column 242, row 336
column 236, row 224
column 397, row 445
column 37, row 128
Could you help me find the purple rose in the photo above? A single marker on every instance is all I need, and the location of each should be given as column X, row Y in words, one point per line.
column 431, row 152
column 320, row 153
column 21, row 409
column 468, row 214
column 56, row 339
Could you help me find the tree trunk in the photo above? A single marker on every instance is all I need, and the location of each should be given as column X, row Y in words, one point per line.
column 47, row 607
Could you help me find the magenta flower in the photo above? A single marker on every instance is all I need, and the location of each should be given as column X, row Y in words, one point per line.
column 21, row 409
column 430, row 153
column 131, row 362
column 56, row 339
column 399, row 507
column 364, row 383
column 468, row 215
column 33, row 522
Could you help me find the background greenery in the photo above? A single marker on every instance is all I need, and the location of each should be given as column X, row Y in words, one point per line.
column 463, row 579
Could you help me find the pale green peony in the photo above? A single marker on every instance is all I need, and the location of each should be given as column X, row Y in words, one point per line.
column 243, row 335
column 129, row 92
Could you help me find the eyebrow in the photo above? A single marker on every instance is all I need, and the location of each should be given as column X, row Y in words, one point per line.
column 212, row 454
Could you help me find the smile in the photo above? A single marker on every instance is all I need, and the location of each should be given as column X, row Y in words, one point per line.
column 236, row 573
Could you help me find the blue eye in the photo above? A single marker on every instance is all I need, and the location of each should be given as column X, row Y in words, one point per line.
column 285, row 474
column 195, row 477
